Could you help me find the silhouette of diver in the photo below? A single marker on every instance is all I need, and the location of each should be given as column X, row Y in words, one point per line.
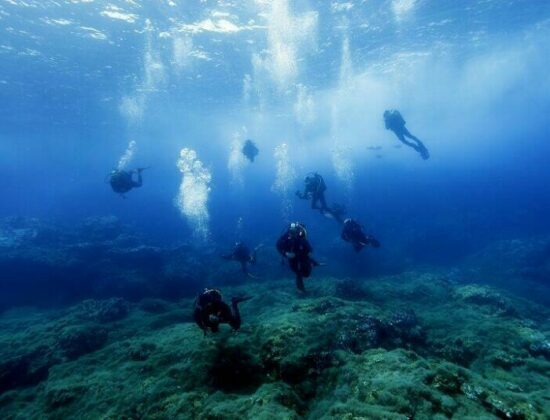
column 122, row 181
column 210, row 311
column 294, row 246
column 353, row 232
column 314, row 190
column 250, row 150
column 395, row 122
column 242, row 254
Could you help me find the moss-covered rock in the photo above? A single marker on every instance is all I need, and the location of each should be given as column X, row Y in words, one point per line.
column 79, row 340
column 418, row 347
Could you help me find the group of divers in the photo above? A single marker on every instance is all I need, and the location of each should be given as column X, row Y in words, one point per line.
column 210, row 310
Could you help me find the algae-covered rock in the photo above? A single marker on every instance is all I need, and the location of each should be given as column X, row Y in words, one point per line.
column 103, row 311
column 27, row 370
column 448, row 379
column 462, row 351
column 485, row 296
column 361, row 334
column 79, row 340
column 155, row 306
column 394, row 355
column 507, row 359
column 351, row 289
column 140, row 352
column 60, row 396
column 540, row 348
column 235, row 370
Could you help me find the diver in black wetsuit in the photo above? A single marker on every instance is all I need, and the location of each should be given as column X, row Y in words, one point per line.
column 210, row 311
column 242, row 254
column 122, row 181
column 294, row 246
column 353, row 232
column 396, row 123
column 314, row 190
column 250, row 150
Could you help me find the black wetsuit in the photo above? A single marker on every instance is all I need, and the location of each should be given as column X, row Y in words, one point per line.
column 250, row 150
column 210, row 311
column 300, row 262
column 122, row 181
column 353, row 232
column 395, row 122
column 242, row 254
column 315, row 190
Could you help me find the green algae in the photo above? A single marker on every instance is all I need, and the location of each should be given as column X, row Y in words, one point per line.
column 423, row 348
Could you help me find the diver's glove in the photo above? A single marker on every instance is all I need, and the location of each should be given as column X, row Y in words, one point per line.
column 290, row 254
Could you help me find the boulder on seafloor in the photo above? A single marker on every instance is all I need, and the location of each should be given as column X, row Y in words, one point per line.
column 62, row 395
column 351, row 289
column 102, row 228
column 487, row 297
column 235, row 370
column 102, row 311
column 420, row 351
column 79, row 340
column 98, row 259
column 540, row 348
column 25, row 370
column 460, row 350
column 528, row 258
column 363, row 332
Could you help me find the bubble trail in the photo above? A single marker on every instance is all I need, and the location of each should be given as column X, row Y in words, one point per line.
column 192, row 198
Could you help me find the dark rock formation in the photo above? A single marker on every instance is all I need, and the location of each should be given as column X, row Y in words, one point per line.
column 80, row 340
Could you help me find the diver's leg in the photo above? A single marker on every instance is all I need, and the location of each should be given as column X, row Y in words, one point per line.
column 139, row 182
column 252, row 259
column 338, row 216
column 236, row 316
column 300, row 283
column 415, row 146
column 323, row 202
column 314, row 200
column 408, row 134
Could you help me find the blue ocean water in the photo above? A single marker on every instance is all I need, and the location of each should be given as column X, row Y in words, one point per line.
column 100, row 312
column 308, row 81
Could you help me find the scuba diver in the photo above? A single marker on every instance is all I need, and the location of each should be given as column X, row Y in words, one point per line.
column 294, row 246
column 242, row 254
column 250, row 150
column 210, row 311
column 122, row 181
column 395, row 122
column 353, row 232
column 314, row 190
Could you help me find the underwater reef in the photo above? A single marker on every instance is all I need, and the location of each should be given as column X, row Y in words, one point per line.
column 99, row 258
column 419, row 344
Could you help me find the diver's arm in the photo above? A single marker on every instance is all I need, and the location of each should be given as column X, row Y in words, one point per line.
column 281, row 242
column 233, row 316
column 316, row 263
column 302, row 195
column 253, row 257
column 197, row 315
